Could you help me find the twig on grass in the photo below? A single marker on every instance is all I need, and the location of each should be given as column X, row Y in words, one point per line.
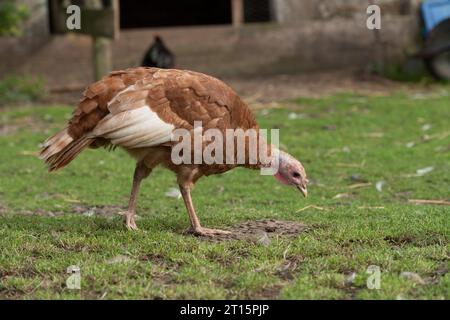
column 351, row 165
column 311, row 206
column 427, row 201
column 359, row 185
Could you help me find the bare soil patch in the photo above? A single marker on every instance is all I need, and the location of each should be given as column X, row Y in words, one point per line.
column 261, row 231
column 9, row 127
column 103, row 210
column 257, row 90
column 80, row 209
column 266, row 293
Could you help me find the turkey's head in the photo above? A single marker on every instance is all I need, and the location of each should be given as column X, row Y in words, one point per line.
column 291, row 172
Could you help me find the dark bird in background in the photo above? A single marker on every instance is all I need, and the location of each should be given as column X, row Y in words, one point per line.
column 158, row 55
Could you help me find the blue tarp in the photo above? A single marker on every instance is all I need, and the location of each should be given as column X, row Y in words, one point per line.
column 434, row 12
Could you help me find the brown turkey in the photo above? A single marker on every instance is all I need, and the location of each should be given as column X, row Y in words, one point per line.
column 139, row 110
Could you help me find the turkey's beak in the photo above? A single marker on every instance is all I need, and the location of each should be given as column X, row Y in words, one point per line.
column 303, row 190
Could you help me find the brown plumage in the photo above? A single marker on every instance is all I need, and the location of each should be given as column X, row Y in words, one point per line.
column 139, row 109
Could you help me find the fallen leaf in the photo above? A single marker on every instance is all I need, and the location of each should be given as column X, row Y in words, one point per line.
column 425, row 201
column 173, row 193
column 89, row 213
column 379, row 186
column 311, row 206
column 423, row 171
column 359, row 185
column 29, row 153
column 294, row 116
column 341, row 195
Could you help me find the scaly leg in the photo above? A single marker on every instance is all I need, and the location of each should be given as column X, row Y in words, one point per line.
column 140, row 173
column 196, row 228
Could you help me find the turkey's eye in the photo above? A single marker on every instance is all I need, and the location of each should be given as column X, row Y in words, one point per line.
column 296, row 175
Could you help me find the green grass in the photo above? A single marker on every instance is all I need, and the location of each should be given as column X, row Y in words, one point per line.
column 335, row 137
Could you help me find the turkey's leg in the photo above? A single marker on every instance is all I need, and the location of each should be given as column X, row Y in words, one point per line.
column 140, row 173
column 196, row 228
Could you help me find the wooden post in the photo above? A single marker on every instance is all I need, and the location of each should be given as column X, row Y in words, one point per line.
column 237, row 13
column 378, row 46
column 101, row 46
column 102, row 57
column 99, row 19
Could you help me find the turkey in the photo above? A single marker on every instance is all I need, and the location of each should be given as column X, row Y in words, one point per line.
column 158, row 55
column 140, row 110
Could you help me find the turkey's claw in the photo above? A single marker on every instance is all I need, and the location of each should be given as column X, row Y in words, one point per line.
column 129, row 221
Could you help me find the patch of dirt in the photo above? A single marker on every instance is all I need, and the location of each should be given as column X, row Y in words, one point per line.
column 76, row 247
column 429, row 240
column 437, row 274
column 23, row 272
column 266, row 293
column 281, row 87
column 6, row 130
column 262, row 231
column 103, row 210
column 82, row 209
column 41, row 212
column 258, row 91
column 154, row 258
column 10, row 127
column 11, row 293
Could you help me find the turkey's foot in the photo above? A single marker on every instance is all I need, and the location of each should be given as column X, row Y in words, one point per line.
column 129, row 221
column 206, row 232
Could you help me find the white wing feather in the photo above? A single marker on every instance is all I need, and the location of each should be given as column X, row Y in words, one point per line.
column 136, row 128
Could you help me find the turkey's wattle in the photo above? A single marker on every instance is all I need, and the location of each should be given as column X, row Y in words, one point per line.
column 139, row 109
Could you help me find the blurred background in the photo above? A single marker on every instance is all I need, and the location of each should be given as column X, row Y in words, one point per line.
column 266, row 49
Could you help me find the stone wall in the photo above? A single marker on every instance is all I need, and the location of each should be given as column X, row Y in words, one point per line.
column 294, row 11
column 339, row 25
column 308, row 35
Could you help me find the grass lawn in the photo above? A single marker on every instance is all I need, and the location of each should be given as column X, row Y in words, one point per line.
column 347, row 143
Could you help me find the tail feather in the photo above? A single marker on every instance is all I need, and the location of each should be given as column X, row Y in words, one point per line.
column 60, row 149
column 54, row 144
